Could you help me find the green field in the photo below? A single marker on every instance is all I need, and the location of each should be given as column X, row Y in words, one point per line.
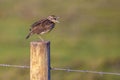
column 87, row 37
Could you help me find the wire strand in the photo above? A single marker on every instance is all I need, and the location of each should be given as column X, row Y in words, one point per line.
column 63, row 69
column 85, row 71
column 15, row 66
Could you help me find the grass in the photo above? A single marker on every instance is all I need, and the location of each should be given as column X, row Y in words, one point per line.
column 86, row 38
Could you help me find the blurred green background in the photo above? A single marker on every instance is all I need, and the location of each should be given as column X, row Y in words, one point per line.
column 87, row 37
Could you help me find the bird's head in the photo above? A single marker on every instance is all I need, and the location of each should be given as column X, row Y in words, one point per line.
column 53, row 18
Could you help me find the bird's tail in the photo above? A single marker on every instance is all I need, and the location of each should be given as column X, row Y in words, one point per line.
column 28, row 35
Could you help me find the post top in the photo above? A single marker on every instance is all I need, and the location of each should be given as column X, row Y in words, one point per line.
column 40, row 42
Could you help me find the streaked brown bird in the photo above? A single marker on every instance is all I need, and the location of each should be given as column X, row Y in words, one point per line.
column 43, row 26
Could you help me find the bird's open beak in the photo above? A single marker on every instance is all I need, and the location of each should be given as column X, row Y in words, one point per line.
column 57, row 20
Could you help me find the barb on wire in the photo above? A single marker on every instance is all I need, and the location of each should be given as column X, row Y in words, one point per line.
column 84, row 71
column 15, row 66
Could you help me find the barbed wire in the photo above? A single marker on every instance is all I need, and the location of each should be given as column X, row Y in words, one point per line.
column 15, row 66
column 85, row 71
column 63, row 69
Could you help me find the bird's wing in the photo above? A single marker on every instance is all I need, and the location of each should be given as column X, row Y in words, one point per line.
column 43, row 27
column 36, row 24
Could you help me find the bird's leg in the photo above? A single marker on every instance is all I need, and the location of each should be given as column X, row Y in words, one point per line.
column 41, row 38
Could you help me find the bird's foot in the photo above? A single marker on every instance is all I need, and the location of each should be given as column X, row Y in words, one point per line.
column 41, row 38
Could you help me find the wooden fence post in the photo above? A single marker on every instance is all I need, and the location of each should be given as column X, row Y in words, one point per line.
column 40, row 60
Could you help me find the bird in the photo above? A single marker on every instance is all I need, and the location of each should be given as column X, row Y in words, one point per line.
column 43, row 26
